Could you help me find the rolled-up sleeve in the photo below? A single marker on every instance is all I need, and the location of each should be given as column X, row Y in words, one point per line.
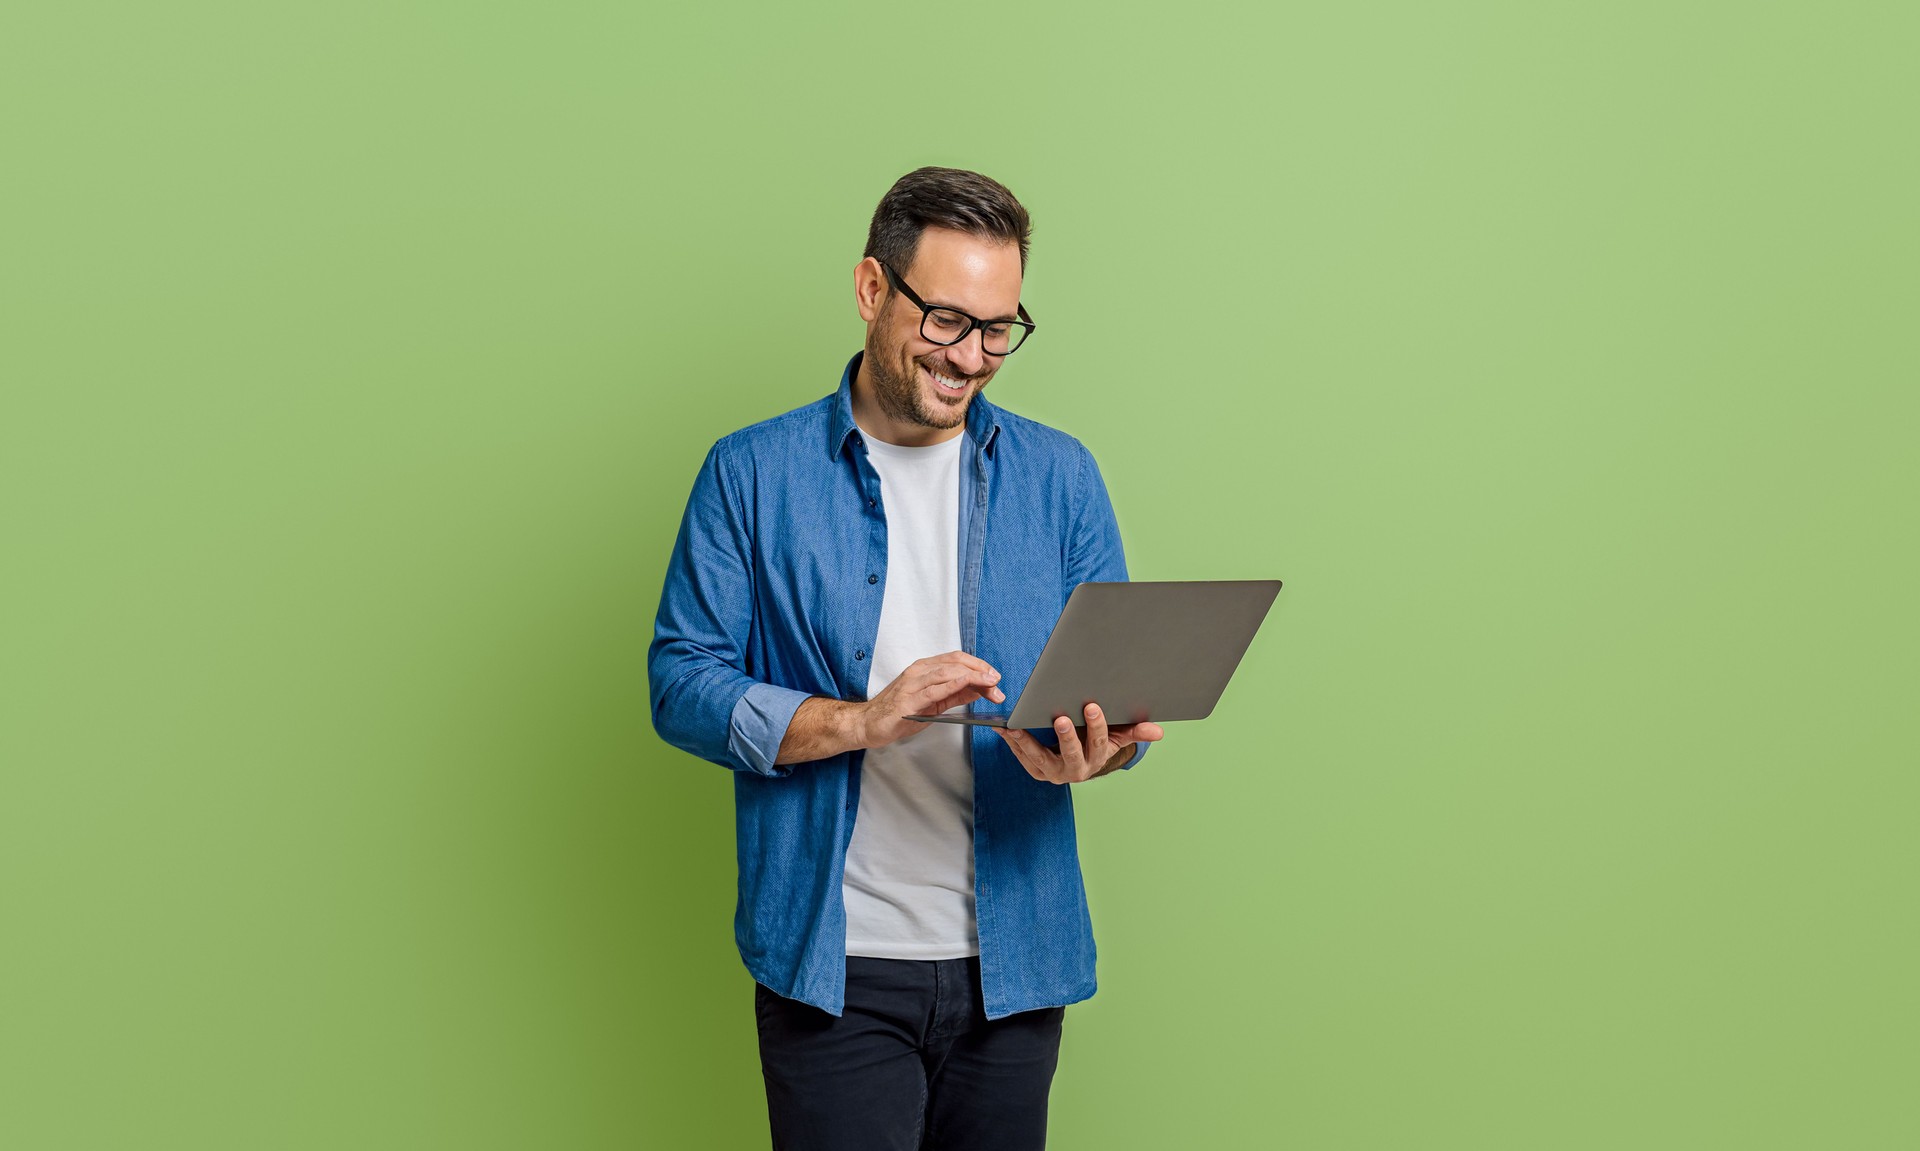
column 703, row 701
column 1094, row 552
column 760, row 721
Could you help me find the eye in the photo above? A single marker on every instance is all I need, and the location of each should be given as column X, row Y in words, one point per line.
column 946, row 321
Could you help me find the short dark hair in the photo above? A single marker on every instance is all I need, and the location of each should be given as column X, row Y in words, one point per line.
column 944, row 198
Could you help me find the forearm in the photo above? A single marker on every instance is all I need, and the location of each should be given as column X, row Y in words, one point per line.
column 823, row 728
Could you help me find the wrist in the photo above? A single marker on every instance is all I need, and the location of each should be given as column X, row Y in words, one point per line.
column 856, row 724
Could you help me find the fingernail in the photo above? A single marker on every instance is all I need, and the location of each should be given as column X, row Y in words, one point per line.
column 1061, row 724
column 1093, row 709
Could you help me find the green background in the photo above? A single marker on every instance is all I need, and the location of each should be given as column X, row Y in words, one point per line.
column 355, row 361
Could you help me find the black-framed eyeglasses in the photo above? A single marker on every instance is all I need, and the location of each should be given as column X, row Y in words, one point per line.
column 948, row 326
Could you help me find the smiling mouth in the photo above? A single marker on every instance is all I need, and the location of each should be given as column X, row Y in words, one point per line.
column 945, row 386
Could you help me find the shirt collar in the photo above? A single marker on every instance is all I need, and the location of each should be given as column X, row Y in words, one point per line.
column 983, row 419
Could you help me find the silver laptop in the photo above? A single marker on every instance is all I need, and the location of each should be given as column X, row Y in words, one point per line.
column 1159, row 651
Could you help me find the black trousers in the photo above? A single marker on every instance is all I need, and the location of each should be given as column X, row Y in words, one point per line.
column 912, row 1065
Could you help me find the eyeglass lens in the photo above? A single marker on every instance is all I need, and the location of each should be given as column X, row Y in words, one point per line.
column 941, row 326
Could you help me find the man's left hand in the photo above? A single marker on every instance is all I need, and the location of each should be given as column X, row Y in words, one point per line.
column 1085, row 754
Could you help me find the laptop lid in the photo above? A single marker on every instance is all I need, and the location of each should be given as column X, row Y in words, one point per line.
column 1142, row 650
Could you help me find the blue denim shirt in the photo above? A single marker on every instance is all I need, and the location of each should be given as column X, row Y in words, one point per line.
column 773, row 595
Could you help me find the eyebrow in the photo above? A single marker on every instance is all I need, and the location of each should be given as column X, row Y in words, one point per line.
column 957, row 308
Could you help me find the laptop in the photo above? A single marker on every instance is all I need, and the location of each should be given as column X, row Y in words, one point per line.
column 1143, row 650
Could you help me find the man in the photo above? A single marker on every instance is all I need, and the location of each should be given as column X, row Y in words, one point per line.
column 911, row 902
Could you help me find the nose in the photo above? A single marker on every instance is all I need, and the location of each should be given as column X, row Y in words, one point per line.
column 970, row 354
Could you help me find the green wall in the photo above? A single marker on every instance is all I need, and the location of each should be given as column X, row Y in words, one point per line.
column 355, row 360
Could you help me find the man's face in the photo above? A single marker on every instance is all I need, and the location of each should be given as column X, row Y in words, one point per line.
column 916, row 382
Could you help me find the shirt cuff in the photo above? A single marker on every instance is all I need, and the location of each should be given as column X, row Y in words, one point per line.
column 1139, row 753
column 758, row 724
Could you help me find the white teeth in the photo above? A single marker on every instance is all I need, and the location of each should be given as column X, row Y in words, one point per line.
column 950, row 385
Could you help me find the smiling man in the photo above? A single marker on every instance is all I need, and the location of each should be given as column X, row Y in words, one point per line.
column 910, row 903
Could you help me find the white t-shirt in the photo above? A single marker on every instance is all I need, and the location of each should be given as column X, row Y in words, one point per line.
column 909, row 875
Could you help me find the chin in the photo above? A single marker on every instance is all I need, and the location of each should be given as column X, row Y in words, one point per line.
column 943, row 415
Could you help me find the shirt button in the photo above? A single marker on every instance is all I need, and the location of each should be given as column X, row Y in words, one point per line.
column 859, row 655
column 873, row 503
column 872, row 578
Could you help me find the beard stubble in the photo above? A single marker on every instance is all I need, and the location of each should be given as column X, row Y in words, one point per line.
column 903, row 399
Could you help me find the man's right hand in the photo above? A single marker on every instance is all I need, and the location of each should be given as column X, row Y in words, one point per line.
column 928, row 687
column 826, row 727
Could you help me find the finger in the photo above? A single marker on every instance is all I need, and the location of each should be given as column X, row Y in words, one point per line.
column 1042, row 761
column 1013, row 744
column 1139, row 733
column 1097, row 747
column 948, row 675
column 972, row 661
column 993, row 693
column 955, row 660
column 955, row 691
column 1073, row 759
column 940, row 699
column 1023, row 749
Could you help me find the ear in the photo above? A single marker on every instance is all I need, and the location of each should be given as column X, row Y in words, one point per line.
column 869, row 288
